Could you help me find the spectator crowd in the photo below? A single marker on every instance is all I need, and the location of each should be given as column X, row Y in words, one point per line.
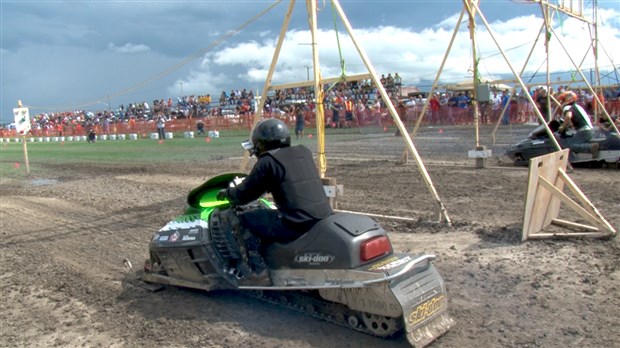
column 346, row 104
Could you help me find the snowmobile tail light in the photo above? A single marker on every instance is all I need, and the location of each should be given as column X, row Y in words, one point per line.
column 375, row 247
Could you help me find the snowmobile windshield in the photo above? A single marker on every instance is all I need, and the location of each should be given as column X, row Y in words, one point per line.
column 209, row 199
column 205, row 195
column 248, row 146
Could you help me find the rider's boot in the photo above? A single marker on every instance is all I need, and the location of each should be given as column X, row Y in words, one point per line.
column 259, row 275
column 260, row 272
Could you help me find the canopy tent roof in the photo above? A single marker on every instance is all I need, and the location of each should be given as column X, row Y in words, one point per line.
column 407, row 91
column 467, row 85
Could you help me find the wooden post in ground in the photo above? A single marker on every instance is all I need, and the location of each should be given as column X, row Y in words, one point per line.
column 332, row 190
column 26, row 155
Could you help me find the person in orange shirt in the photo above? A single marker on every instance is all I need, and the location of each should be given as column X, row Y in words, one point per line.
column 348, row 112
column 434, row 108
column 336, row 106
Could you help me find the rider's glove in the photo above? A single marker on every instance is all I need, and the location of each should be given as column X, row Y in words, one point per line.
column 222, row 195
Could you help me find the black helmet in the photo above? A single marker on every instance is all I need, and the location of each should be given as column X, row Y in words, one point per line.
column 269, row 134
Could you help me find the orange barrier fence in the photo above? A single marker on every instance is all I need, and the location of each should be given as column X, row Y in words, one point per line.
column 142, row 128
column 445, row 115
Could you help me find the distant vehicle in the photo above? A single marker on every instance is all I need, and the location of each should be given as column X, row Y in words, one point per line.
column 538, row 143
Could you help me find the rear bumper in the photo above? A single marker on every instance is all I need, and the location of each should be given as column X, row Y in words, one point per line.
column 424, row 303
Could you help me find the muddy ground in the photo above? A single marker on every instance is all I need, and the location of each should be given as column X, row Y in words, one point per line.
column 63, row 238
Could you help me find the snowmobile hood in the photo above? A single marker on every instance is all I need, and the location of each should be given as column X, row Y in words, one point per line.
column 204, row 196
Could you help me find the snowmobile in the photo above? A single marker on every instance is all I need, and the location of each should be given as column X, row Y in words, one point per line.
column 343, row 270
column 538, row 143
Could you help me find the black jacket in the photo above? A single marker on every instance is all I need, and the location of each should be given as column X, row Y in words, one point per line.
column 290, row 175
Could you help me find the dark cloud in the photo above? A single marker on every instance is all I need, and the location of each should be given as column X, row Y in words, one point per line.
column 65, row 54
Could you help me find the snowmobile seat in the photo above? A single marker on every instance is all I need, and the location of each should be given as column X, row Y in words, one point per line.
column 333, row 243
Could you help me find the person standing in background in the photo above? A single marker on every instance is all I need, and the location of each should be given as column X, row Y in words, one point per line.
column 348, row 111
column 161, row 124
column 506, row 101
column 299, row 120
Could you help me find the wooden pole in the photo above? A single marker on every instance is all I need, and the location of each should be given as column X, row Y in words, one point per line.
column 443, row 62
column 522, row 71
column 598, row 101
column 595, row 49
column 318, row 91
column 259, row 111
column 427, row 179
column 517, row 77
column 26, row 154
column 472, row 36
column 547, row 24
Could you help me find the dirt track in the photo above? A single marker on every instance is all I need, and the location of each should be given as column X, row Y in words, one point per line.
column 63, row 239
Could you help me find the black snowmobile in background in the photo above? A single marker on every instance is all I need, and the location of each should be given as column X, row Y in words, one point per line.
column 343, row 270
column 538, row 143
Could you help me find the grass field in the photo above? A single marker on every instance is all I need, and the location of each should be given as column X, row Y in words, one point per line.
column 141, row 151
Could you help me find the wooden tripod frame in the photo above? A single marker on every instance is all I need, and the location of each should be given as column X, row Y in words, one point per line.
column 546, row 182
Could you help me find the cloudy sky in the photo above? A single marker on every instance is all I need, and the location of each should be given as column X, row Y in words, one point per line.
column 68, row 55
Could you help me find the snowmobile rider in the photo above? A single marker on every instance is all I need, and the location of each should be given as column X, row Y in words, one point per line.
column 575, row 116
column 290, row 175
